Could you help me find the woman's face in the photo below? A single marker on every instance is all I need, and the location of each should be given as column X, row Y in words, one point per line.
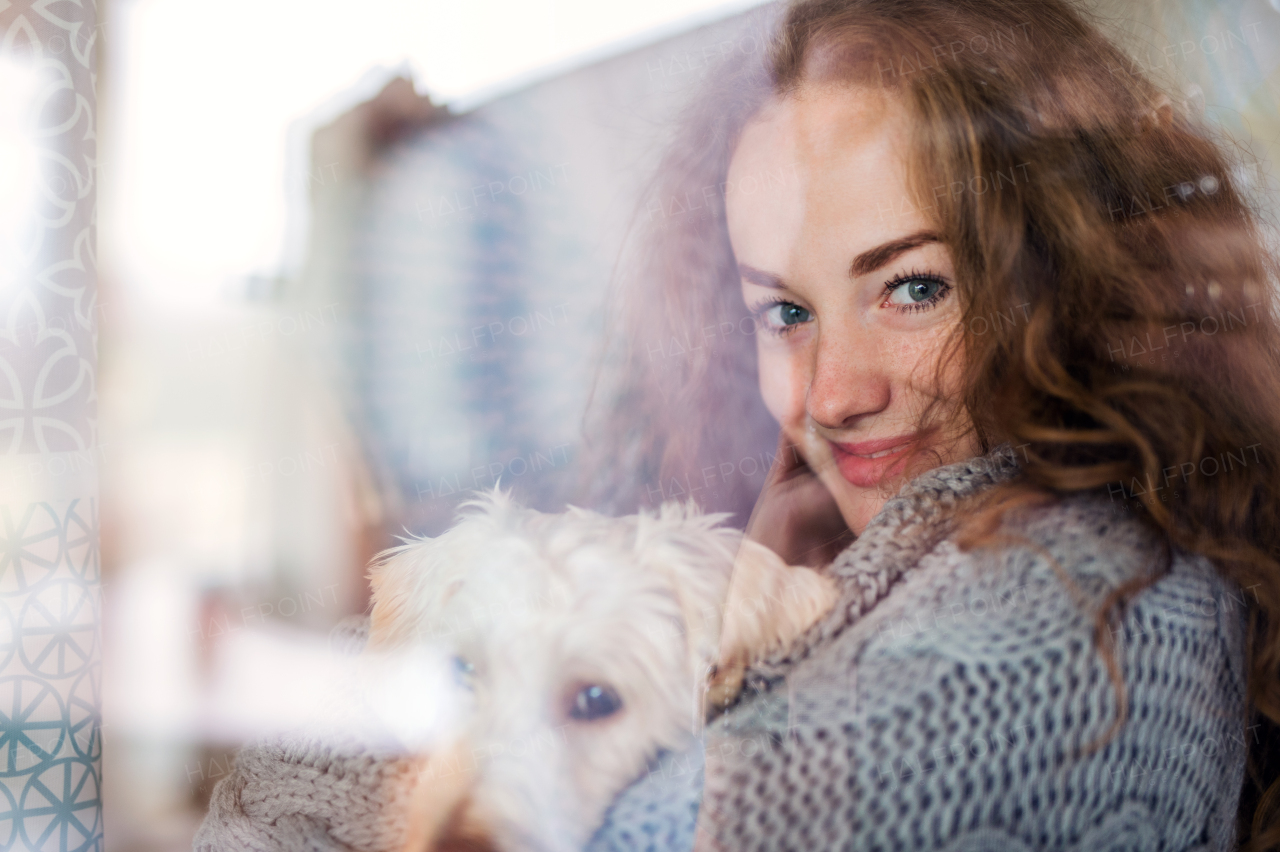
column 852, row 291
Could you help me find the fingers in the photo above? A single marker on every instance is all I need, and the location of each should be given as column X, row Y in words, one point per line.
column 820, row 535
column 787, row 466
column 787, row 461
column 795, row 515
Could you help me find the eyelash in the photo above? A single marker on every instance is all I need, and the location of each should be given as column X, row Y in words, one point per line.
column 760, row 309
column 901, row 279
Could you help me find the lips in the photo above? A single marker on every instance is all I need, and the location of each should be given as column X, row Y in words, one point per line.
column 868, row 463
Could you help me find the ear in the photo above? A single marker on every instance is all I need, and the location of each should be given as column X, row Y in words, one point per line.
column 699, row 586
column 770, row 605
column 696, row 557
column 410, row 584
column 390, row 579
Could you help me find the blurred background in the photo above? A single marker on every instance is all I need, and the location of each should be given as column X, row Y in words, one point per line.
column 323, row 319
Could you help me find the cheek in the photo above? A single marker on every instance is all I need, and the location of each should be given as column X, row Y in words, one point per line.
column 784, row 381
column 953, row 368
column 926, row 367
column 929, row 363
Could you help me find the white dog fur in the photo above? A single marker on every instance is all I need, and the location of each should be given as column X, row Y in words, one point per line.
column 539, row 608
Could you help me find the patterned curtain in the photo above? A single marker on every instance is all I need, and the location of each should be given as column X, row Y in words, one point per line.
column 50, row 671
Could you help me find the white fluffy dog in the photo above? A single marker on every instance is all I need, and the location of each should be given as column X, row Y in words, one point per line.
column 586, row 642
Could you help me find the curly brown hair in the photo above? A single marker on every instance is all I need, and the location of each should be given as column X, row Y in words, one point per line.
column 1117, row 292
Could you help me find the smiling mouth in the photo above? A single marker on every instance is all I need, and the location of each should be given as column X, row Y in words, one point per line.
column 881, row 454
column 868, row 463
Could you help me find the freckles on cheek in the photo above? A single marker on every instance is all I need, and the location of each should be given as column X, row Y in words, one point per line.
column 919, row 356
column 783, row 383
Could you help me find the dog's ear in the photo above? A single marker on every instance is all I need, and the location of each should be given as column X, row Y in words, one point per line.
column 770, row 604
column 391, row 581
column 410, row 583
column 697, row 559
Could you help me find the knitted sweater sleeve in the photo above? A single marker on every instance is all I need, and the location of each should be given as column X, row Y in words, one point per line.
column 304, row 795
column 308, row 794
column 973, row 709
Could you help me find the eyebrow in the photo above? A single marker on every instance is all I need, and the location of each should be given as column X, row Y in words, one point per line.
column 872, row 259
column 760, row 278
column 867, row 262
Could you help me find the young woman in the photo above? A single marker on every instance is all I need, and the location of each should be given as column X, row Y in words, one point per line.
column 1013, row 319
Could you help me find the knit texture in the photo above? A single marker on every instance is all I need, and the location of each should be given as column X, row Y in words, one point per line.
column 310, row 794
column 958, row 701
column 950, row 700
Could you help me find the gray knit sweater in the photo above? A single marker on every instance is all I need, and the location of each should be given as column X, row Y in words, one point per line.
column 951, row 701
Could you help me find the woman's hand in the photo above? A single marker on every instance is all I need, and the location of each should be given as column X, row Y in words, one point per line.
column 796, row 516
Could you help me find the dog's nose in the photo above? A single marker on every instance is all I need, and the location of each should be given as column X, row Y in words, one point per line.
column 465, row 832
column 456, row 842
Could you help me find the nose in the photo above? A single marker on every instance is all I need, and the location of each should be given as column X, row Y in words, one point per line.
column 462, row 843
column 464, row 833
column 848, row 380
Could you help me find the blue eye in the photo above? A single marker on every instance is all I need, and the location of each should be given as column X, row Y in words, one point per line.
column 595, row 702
column 916, row 292
column 919, row 290
column 463, row 672
column 792, row 314
column 783, row 316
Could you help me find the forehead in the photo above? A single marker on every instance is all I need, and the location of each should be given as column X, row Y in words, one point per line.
column 823, row 164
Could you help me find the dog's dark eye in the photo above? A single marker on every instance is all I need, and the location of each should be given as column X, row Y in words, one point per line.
column 463, row 672
column 595, row 702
